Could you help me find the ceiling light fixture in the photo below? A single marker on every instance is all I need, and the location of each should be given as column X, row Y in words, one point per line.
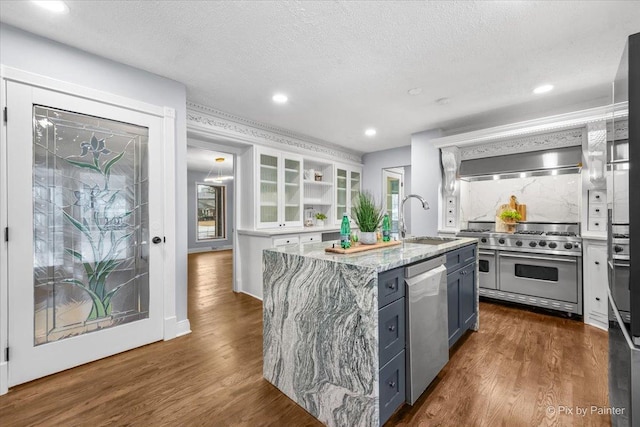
column 415, row 91
column 443, row 101
column 280, row 98
column 543, row 89
column 219, row 159
column 370, row 132
column 55, row 6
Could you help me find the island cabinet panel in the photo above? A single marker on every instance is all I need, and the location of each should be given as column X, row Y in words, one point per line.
column 390, row 286
column 461, row 291
column 391, row 341
column 392, row 386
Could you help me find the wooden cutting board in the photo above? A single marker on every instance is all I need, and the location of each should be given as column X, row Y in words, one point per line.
column 361, row 247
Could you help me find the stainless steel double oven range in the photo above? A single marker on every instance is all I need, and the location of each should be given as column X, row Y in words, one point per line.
column 539, row 265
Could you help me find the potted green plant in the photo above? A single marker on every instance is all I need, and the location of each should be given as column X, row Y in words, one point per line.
column 367, row 216
column 320, row 217
column 510, row 216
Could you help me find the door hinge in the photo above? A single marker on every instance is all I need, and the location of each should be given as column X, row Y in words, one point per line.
column 6, row 354
column 4, row 114
column 6, row 234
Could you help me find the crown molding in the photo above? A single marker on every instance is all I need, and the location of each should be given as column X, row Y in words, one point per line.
column 549, row 124
column 547, row 141
column 224, row 124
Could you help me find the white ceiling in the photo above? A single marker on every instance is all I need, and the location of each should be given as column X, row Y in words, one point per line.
column 347, row 66
column 202, row 160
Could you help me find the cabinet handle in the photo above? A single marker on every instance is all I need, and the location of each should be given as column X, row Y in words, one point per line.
column 597, row 210
column 391, row 285
column 597, row 224
column 597, row 298
column 597, row 262
column 597, row 196
column 392, row 384
column 392, row 328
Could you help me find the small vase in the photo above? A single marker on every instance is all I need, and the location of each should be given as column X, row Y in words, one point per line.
column 319, row 222
column 368, row 238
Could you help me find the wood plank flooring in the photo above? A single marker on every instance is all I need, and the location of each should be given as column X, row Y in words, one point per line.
column 507, row 374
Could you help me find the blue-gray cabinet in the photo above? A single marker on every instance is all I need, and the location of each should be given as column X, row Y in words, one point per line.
column 391, row 341
column 461, row 291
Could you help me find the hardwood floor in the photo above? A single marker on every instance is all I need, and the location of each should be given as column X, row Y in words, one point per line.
column 508, row 373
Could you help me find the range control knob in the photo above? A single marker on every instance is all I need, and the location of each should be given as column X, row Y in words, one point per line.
column 553, row 245
column 483, row 240
column 542, row 243
column 501, row 241
column 568, row 246
column 618, row 248
column 533, row 244
column 518, row 243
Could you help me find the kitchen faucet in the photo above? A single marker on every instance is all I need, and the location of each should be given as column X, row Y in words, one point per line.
column 425, row 206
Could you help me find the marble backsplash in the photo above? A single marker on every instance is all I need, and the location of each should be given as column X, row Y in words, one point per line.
column 548, row 198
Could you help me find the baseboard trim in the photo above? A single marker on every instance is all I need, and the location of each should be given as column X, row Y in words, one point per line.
column 4, row 378
column 211, row 249
column 170, row 328
column 183, row 327
column 251, row 295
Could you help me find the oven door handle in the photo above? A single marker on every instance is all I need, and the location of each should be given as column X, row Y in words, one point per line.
column 571, row 260
column 617, row 263
column 487, row 253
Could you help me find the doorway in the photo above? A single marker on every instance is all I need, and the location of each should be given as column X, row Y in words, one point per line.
column 392, row 195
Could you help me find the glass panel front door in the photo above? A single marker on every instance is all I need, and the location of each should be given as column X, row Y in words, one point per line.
column 90, row 224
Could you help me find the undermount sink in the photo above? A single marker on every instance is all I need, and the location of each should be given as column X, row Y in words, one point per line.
column 430, row 240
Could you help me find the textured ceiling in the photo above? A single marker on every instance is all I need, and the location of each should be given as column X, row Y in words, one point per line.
column 202, row 160
column 347, row 66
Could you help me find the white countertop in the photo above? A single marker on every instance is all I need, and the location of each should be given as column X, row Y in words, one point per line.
column 267, row 232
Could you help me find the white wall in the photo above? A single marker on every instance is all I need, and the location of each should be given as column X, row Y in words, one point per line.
column 374, row 163
column 28, row 52
column 426, row 180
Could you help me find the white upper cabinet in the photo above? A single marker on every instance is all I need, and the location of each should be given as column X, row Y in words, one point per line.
column 279, row 189
column 348, row 185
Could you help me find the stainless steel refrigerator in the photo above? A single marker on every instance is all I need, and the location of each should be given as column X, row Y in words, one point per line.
column 623, row 178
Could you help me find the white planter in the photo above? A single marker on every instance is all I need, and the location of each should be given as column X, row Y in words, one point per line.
column 319, row 222
column 368, row 238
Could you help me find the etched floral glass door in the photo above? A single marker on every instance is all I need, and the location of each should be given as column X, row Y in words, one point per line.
column 81, row 278
column 90, row 223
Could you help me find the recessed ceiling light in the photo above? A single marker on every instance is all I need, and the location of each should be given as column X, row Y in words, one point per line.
column 280, row 98
column 55, row 6
column 543, row 89
column 523, row 174
column 415, row 91
column 370, row 132
column 443, row 101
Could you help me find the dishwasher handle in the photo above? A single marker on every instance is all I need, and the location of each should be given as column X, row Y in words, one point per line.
column 424, row 266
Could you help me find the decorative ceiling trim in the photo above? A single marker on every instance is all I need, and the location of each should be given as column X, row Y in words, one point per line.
column 547, row 141
column 225, row 124
column 544, row 125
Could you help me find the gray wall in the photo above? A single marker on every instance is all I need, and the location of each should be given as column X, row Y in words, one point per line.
column 426, row 180
column 194, row 177
column 28, row 52
column 374, row 163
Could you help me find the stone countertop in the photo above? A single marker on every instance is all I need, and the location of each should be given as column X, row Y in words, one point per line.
column 380, row 260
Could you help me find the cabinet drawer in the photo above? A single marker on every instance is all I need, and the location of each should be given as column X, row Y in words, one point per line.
column 391, row 330
column 310, row 238
column 392, row 386
column 460, row 257
column 390, row 286
column 597, row 210
column 597, row 224
column 597, row 196
column 281, row 241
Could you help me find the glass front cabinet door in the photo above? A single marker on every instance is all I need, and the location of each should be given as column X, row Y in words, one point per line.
column 279, row 190
column 348, row 185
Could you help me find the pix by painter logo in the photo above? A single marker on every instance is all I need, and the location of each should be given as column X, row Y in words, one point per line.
column 582, row 411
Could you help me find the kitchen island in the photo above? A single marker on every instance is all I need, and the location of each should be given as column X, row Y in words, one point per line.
column 321, row 326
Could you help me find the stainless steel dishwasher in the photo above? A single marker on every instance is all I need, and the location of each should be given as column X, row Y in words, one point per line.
column 427, row 331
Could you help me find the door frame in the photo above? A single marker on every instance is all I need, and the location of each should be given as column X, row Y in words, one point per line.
column 168, row 117
column 397, row 172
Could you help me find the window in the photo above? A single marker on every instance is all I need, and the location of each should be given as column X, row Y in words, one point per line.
column 211, row 211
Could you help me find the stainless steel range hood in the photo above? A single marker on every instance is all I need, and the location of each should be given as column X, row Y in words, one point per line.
column 558, row 161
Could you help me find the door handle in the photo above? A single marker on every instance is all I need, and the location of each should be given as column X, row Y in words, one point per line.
column 156, row 240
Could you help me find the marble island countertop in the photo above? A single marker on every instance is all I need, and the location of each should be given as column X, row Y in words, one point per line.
column 382, row 259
